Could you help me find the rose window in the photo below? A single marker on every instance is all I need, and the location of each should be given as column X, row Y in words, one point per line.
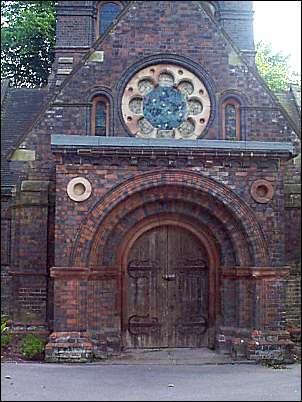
column 166, row 100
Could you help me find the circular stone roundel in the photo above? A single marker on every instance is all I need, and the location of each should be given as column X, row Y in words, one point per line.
column 79, row 189
column 166, row 101
column 262, row 191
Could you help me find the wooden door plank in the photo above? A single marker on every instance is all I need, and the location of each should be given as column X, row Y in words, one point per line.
column 188, row 292
column 146, row 292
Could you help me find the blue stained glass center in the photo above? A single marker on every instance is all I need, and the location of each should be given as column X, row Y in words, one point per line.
column 165, row 108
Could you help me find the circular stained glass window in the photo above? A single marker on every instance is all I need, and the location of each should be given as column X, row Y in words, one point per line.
column 166, row 101
column 165, row 108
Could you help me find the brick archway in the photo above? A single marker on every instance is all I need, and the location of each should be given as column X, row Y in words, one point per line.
column 223, row 204
column 181, row 204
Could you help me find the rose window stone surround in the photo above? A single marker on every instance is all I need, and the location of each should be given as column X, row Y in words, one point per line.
column 166, row 101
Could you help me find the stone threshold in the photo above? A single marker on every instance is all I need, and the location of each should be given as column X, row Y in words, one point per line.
column 175, row 356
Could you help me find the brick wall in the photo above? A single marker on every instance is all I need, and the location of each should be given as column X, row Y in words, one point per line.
column 69, row 215
column 5, row 253
column 238, row 300
column 294, row 297
column 236, row 17
column 293, row 241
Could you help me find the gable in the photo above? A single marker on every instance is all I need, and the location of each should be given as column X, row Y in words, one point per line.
column 161, row 30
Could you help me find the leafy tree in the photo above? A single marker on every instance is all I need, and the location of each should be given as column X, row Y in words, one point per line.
column 274, row 68
column 27, row 41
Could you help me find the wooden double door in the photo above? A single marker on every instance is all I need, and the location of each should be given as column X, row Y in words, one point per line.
column 166, row 284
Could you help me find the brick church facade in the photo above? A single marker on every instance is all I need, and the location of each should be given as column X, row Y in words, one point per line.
column 150, row 194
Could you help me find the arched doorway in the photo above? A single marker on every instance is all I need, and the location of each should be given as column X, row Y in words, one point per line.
column 225, row 227
column 166, row 286
column 208, row 221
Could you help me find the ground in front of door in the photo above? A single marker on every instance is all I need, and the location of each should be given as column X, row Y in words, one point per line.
column 149, row 382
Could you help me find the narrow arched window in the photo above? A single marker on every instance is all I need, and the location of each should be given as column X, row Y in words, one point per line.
column 100, row 116
column 231, row 119
column 107, row 13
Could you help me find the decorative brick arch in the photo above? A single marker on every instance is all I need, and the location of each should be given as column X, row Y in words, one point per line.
column 181, row 204
column 86, row 242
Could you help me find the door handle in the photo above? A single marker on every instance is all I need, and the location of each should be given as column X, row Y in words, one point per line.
column 169, row 277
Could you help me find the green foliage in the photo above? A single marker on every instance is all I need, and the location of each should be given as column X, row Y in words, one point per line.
column 274, row 68
column 5, row 338
column 31, row 346
column 4, row 326
column 27, row 41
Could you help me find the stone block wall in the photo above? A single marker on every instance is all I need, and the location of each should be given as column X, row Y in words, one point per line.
column 29, row 257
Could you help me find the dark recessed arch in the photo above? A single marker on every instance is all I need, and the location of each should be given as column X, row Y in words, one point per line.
column 162, row 204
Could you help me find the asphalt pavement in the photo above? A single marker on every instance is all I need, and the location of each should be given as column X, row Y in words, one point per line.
column 149, row 382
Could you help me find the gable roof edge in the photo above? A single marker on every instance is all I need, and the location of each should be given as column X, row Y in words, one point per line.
column 67, row 79
column 297, row 106
column 253, row 70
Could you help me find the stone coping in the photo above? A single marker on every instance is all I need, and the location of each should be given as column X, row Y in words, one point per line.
column 71, row 142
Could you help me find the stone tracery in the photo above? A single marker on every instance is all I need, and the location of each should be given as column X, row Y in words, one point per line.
column 166, row 100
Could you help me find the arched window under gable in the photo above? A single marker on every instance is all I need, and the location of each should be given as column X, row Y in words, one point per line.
column 107, row 12
column 231, row 119
column 100, row 116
